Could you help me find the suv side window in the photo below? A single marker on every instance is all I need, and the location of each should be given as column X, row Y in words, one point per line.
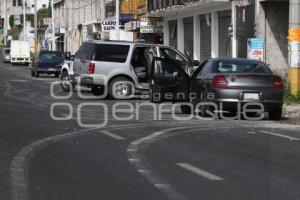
column 86, row 51
column 111, row 53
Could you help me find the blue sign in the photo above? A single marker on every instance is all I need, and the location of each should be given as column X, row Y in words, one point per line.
column 257, row 43
column 256, row 48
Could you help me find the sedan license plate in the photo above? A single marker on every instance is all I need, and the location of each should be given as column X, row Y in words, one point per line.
column 251, row 96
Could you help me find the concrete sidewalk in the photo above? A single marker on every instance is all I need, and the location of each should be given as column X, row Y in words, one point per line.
column 291, row 114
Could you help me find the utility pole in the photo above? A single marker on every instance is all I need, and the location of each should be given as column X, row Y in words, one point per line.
column 5, row 23
column 103, row 9
column 118, row 19
column 294, row 50
column 53, row 26
column 35, row 28
column 24, row 19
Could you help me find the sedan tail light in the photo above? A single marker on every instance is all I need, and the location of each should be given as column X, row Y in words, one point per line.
column 92, row 68
column 278, row 83
column 220, row 82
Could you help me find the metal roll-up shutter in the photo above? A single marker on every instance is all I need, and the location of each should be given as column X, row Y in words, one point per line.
column 225, row 44
column 205, row 37
column 188, row 24
column 173, row 33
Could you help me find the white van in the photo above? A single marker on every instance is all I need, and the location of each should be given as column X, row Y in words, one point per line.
column 20, row 52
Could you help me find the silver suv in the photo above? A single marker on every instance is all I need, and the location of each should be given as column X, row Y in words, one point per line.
column 121, row 66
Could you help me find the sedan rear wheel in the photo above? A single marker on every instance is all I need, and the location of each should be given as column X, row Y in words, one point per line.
column 275, row 114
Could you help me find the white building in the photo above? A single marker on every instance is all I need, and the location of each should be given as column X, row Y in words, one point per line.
column 76, row 21
column 200, row 27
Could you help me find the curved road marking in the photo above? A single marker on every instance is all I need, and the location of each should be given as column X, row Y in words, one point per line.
column 20, row 162
column 135, row 156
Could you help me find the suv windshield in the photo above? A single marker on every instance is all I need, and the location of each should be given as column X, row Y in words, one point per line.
column 51, row 56
column 233, row 66
column 7, row 51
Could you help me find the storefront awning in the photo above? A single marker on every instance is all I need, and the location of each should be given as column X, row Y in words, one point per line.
column 189, row 7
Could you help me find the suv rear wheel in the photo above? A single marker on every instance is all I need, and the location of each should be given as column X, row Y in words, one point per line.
column 121, row 88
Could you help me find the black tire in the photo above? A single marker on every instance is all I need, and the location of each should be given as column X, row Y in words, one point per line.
column 275, row 115
column 186, row 109
column 65, row 82
column 152, row 99
column 97, row 90
column 206, row 108
column 56, row 75
column 36, row 74
column 117, row 93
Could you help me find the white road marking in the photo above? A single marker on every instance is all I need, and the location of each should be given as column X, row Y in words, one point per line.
column 200, row 172
column 19, row 81
column 280, row 135
column 112, row 135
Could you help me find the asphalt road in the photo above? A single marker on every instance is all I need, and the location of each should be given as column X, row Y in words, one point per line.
column 45, row 159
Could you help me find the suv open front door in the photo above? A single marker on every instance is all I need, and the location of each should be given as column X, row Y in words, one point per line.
column 168, row 82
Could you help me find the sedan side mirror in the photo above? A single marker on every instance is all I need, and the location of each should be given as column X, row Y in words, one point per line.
column 196, row 63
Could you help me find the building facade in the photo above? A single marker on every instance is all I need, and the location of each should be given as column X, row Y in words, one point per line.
column 76, row 21
column 201, row 28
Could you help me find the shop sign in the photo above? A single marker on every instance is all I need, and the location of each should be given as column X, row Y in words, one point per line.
column 132, row 26
column 152, row 25
column 256, row 49
column 295, row 54
column 108, row 25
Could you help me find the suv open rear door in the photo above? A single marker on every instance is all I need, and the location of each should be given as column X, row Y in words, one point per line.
column 168, row 81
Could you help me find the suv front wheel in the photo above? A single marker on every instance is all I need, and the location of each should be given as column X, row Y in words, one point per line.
column 121, row 88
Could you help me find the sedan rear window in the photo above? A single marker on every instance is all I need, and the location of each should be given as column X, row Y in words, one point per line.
column 234, row 66
column 111, row 53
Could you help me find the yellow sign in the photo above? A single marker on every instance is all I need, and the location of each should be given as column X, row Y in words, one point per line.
column 294, row 35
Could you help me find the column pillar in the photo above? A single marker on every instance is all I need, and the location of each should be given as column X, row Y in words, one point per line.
column 166, row 33
column 197, row 37
column 234, row 31
column 180, row 35
column 294, row 44
column 214, row 35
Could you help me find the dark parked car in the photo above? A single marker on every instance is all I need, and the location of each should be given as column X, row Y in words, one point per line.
column 226, row 81
column 6, row 54
column 47, row 62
